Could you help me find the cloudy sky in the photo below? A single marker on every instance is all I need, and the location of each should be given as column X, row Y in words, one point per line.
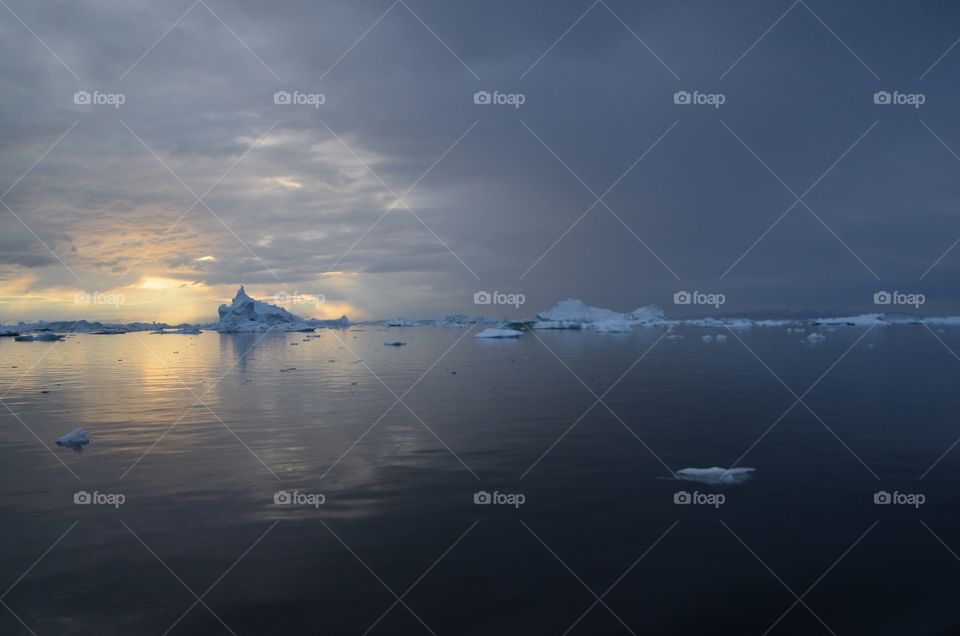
column 399, row 195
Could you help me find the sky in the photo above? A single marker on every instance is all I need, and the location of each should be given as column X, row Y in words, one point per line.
column 384, row 189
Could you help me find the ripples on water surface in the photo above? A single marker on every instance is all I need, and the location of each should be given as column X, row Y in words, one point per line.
column 199, row 432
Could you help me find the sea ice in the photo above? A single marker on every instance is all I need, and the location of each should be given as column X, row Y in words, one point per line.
column 394, row 343
column 76, row 437
column 814, row 338
column 716, row 475
column 575, row 314
column 498, row 333
column 401, row 322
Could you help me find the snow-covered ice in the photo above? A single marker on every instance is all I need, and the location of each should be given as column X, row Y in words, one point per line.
column 575, row 314
column 814, row 338
column 76, row 437
column 245, row 314
column 716, row 475
column 499, row 333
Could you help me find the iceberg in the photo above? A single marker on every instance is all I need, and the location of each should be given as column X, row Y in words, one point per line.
column 716, row 475
column 40, row 337
column 394, row 343
column 401, row 322
column 245, row 314
column 75, row 438
column 814, row 338
column 498, row 333
column 575, row 314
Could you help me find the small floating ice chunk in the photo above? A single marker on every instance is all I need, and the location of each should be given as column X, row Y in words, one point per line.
column 394, row 343
column 499, row 333
column 720, row 337
column 706, row 338
column 76, row 437
column 814, row 338
column 716, row 475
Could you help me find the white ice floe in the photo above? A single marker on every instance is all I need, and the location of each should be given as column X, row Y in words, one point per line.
column 498, row 333
column 76, row 437
column 394, row 343
column 721, row 337
column 40, row 337
column 814, row 338
column 575, row 314
column 716, row 475
column 706, row 338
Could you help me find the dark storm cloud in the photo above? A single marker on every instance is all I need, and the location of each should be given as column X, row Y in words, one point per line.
column 287, row 211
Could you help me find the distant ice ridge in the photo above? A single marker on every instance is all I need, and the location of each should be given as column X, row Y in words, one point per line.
column 499, row 333
column 716, row 475
column 244, row 314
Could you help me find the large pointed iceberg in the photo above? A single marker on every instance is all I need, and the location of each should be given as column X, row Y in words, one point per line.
column 248, row 314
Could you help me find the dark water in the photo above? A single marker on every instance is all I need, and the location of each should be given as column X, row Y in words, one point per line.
column 399, row 519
